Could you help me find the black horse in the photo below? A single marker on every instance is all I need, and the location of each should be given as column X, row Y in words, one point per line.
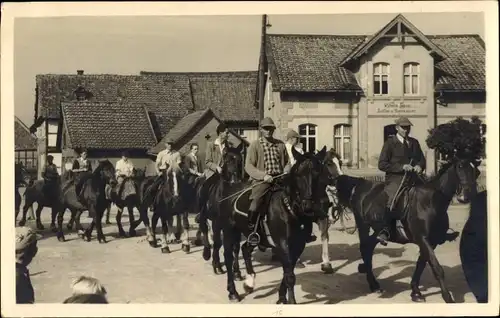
column 89, row 193
column 288, row 208
column 22, row 178
column 425, row 218
column 474, row 248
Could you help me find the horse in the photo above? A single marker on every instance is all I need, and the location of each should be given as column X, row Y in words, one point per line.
column 165, row 205
column 474, row 248
column 35, row 193
column 425, row 217
column 89, row 193
column 282, row 223
column 129, row 199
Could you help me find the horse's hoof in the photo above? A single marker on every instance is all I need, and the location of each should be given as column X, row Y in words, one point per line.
column 87, row 237
column 102, row 240
column 361, row 268
column 238, row 277
column 108, row 222
column 377, row 290
column 197, row 242
column 53, row 228
column 417, row 298
column 327, row 268
column 218, row 270
column 186, row 248
column 40, row 227
column 281, row 301
column 206, row 253
column 132, row 233
column 61, row 238
column 234, row 298
column 69, row 227
column 247, row 288
column 122, row 234
column 22, row 223
column 299, row 264
column 165, row 250
column 153, row 244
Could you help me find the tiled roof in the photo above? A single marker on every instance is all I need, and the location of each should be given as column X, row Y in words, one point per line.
column 230, row 95
column 310, row 63
column 465, row 65
column 23, row 139
column 108, row 125
column 158, row 94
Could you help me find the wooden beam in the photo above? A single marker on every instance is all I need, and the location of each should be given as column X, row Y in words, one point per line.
column 396, row 35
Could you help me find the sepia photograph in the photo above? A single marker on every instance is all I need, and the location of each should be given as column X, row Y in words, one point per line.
column 252, row 159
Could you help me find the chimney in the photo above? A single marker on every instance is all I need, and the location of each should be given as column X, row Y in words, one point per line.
column 79, row 72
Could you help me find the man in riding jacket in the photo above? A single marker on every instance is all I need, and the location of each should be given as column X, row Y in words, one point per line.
column 213, row 162
column 266, row 158
column 400, row 154
column 51, row 177
column 192, row 164
column 82, row 164
column 124, row 169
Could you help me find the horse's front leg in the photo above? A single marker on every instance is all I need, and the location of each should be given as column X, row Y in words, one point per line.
column 60, row 218
column 288, row 282
column 130, row 209
column 121, row 232
column 71, row 222
column 249, row 284
column 108, row 212
column 217, row 267
column 166, row 229
column 229, row 241
column 98, row 224
column 437, row 270
column 53, row 218
column 416, row 294
column 78, row 225
column 205, row 239
column 236, row 252
column 367, row 245
column 171, row 237
column 326, row 266
column 38, row 213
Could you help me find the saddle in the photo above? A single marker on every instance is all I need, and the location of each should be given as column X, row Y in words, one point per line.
column 399, row 211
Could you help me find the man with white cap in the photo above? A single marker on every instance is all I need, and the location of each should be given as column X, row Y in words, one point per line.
column 26, row 249
column 400, row 154
column 266, row 159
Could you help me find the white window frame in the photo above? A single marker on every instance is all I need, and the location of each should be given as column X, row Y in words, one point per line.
column 307, row 136
column 342, row 136
column 380, row 75
column 411, row 75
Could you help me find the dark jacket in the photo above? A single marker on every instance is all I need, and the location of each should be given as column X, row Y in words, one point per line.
column 394, row 156
column 77, row 164
column 24, row 290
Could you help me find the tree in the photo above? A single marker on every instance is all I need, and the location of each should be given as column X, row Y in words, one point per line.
column 459, row 138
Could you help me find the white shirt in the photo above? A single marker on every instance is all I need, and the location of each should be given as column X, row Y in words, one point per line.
column 221, row 145
column 290, row 155
column 124, row 168
column 163, row 159
column 400, row 138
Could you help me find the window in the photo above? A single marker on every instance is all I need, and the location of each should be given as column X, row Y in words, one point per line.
column 52, row 135
column 239, row 131
column 411, row 78
column 381, row 79
column 342, row 141
column 307, row 134
column 28, row 158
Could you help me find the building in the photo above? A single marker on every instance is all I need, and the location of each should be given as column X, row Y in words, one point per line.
column 346, row 91
column 93, row 110
column 25, row 147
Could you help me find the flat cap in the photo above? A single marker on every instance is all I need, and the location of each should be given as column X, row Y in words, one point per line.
column 267, row 122
column 403, row 121
column 292, row 134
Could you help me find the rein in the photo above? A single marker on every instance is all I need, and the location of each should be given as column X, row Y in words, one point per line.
column 248, row 188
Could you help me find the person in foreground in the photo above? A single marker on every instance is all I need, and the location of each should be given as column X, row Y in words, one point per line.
column 26, row 249
column 87, row 290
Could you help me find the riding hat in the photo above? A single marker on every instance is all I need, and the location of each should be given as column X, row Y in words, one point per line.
column 292, row 134
column 403, row 121
column 169, row 141
column 267, row 122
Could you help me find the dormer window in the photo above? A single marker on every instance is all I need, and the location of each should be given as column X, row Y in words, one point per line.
column 380, row 79
column 81, row 93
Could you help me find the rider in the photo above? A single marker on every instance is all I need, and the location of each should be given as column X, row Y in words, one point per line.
column 50, row 176
column 213, row 162
column 162, row 163
column 192, row 164
column 124, row 169
column 292, row 140
column 399, row 154
column 82, row 164
column 266, row 159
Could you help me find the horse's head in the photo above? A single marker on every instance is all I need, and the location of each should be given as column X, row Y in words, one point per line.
column 467, row 173
column 231, row 164
column 107, row 172
column 333, row 165
column 22, row 176
column 304, row 177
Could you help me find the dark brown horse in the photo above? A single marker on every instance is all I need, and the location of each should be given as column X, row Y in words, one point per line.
column 425, row 217
column 290, row 205
column 89, row 193
column 474, row 248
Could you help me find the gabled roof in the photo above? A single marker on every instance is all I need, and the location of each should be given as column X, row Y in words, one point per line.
column 23, row 139
column 311, row 63
column 158, row 94
column 399, row 22
column 185, row 126
column 107, row 125
column 230, row 95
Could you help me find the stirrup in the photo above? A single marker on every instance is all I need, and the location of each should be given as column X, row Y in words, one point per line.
column 253, row 238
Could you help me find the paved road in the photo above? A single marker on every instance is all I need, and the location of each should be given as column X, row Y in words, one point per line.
column 133, row 272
